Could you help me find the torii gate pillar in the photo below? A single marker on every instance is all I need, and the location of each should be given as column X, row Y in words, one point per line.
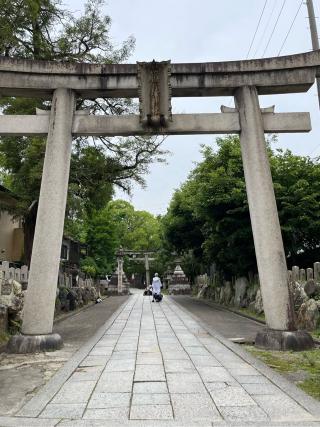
column 40, row 298
column 281, row 333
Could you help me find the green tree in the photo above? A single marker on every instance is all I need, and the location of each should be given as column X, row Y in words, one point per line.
column 44, row 30
column 119, row 224
column 209, row 213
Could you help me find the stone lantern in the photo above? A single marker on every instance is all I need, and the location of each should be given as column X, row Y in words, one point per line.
column 179, row 284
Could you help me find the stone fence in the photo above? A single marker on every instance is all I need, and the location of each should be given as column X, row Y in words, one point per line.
column 18, row 274
column 245, row 293
column 303, row 275
column 71, row 294
column 21, row 275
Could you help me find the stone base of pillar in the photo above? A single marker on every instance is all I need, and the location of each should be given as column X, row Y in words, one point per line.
column 34, row 343
column 271, row 339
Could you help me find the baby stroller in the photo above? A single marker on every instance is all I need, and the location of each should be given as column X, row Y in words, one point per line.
column 147, row 291
column 157, row 297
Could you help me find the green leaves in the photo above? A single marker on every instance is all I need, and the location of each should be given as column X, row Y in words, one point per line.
column 209, row 214
column 119, row 224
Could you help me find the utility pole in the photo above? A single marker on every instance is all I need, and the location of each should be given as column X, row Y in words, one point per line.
column 314, row 36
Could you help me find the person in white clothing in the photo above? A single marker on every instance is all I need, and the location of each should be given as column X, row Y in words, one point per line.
column 156, row 286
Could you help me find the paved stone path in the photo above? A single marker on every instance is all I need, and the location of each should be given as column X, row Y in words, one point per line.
column 154, row 364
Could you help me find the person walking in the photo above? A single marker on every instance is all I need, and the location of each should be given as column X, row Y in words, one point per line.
column 156, row 288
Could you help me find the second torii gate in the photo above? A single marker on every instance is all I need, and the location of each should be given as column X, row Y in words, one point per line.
column 155, row 84
column 141, row 256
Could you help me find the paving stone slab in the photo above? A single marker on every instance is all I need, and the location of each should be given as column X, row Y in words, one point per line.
column 115, row 382
column 149, row 359
column 149, row 349
column 123, row 355
column 194, row 407
column 262, row 389
column 150, row 399
column 149, row 373
column 244, row 371
column 252, row 379
column 244, row 413
column 214, row 374
column 201, row 351
column 220, row 385
column 232, row 396
column 172, row 366
column 203, row 361
column 175, row 355
column 282, row 408
column 89, row 373
column 109, row 400
column 71, row 410
column 119, row 413
column 150, row 387
column 151, row 412
column 94, row 361
column 74, row 392
column 116, row 365
column 186, row 387
column 126, row 347
column 28, row 422
column 101, row 351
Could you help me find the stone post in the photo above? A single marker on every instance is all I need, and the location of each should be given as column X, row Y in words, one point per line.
column 267, row 237
column 5, row 269
column 41, row 294
column 309, row 274
column 302, row 275
column 316, row 269
column 295, row 273
column 120, row 274
column 146, row 257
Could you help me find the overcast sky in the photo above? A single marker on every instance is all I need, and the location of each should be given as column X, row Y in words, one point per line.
column 205, row 31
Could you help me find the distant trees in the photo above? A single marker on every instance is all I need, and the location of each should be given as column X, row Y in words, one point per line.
column 119, row 224
column 209, row 215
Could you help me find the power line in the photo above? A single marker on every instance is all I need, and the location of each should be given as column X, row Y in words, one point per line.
column 275, row 26
column 266, row 27
column 292, row 24
column 255, row 33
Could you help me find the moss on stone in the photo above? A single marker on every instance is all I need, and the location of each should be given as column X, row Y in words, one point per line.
column 287, row 362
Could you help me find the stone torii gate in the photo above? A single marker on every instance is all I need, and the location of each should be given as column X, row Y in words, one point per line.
column 154, row 84
column 141, row 256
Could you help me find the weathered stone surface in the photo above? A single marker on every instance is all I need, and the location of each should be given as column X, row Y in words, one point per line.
column 217, row 293
column 308, row 315
column 258, row 306
column 221, row 296
column 302, row 275
column 228, row 292
column 298, row 294
column 241, row 286
column 271, row 339
column 50, row 218
column 12, row 297
column 309, row 273
column 252, row 292
column 34, row 343
column 295, row 273
column 316, row 269
column 3, row 318
column 312, row 288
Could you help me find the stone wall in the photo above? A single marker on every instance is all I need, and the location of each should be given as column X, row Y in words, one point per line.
column 244, row 292
column 13, row 286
